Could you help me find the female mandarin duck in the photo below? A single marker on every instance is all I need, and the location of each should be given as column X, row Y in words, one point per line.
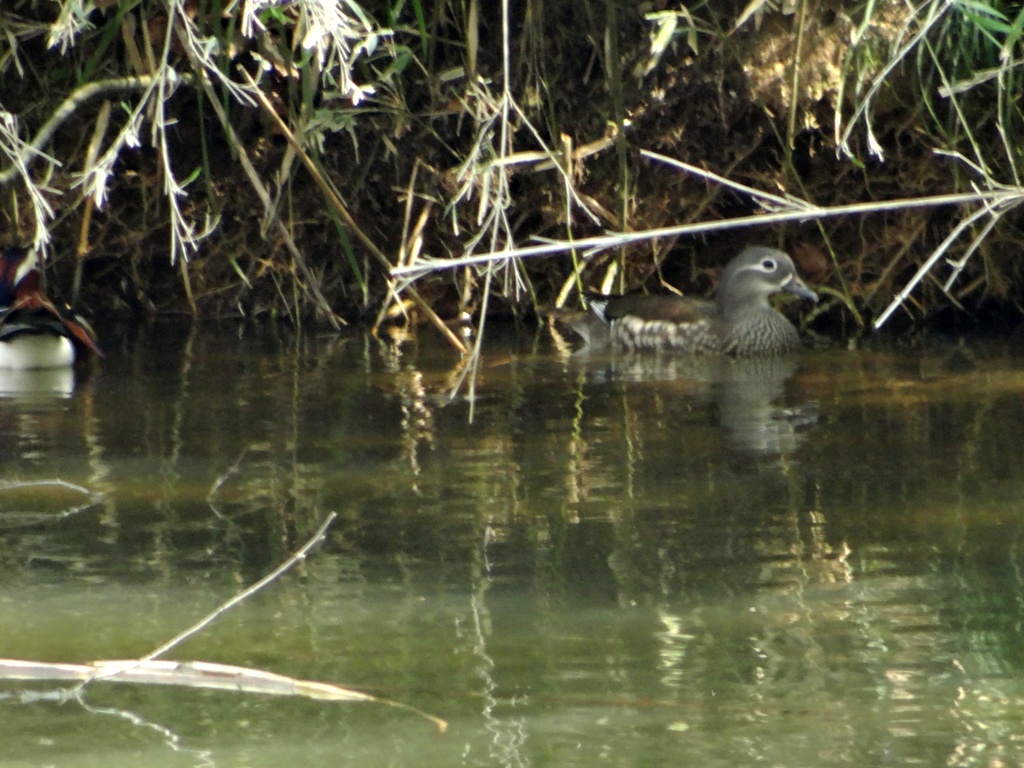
column 34, row 332
column 740, row 321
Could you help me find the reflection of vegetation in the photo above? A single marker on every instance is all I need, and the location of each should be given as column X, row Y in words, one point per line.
column 570, row 466
column 138, row 116
column 592, row 533
column 24, row 504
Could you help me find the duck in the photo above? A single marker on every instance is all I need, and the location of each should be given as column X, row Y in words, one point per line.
column 740, row 321
column 34, row 332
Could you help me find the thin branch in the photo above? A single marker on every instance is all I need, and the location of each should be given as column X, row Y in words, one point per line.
column 287, row 565
column 959, row 264
column 927, row 266
column 997, row 198
column 882, row 80
column 43, row 136
column 785, row 202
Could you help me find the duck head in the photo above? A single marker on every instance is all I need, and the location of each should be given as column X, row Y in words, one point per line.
column 754, row 275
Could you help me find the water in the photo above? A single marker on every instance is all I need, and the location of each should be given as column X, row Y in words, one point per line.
column 592, row 560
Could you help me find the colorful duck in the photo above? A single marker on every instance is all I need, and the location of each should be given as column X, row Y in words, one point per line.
column 34, row 332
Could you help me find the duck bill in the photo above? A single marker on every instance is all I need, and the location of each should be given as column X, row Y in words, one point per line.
column 797, row 287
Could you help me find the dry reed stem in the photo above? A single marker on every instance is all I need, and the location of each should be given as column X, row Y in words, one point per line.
column 197, row 674
column 599, row 243
column 265, row 198
column 336, row 203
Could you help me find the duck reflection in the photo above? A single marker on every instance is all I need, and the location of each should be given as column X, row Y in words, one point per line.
column 750, row 395
column 752, row 407
column 37, row 383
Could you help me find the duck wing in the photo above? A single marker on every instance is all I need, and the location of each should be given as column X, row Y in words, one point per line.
column 32, row 312
column 657, row 307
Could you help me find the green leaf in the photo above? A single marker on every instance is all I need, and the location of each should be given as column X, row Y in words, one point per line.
column 421, row 24
column 980, row 7
column 988, row 25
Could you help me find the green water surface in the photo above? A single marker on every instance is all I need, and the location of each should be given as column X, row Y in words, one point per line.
column 575, row 560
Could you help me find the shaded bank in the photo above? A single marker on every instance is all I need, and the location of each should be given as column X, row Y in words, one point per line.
column 452, row 131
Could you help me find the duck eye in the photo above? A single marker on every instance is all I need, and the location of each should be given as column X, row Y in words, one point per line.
column 768, row 265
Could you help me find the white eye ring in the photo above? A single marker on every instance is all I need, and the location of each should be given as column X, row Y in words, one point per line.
column 768, row 265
